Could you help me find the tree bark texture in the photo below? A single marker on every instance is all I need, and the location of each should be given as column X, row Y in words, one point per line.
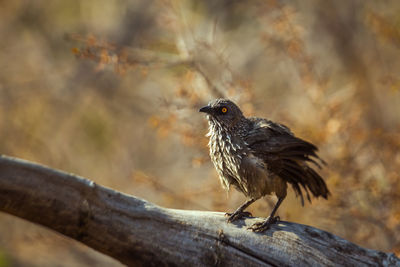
column 137, row 232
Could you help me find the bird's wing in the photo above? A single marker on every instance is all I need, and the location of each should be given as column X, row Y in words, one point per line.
column 287, row 156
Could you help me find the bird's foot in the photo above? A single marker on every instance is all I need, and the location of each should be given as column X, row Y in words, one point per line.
column 263, row 226
column 237, row 215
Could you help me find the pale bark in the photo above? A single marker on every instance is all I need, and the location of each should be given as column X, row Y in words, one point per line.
column 137, row 232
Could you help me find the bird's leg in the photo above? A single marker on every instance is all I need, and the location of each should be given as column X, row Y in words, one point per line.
column 240, row 213
column 262, row 226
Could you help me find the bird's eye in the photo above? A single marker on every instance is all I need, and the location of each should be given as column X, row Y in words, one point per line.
column 224, row 110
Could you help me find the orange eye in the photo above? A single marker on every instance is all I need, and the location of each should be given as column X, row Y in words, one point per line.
column 224, row 110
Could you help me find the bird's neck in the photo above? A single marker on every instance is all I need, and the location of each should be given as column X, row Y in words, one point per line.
column 224, row 137
column 231, row 128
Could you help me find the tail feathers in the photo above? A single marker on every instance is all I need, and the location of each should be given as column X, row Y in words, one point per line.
column 301, row 176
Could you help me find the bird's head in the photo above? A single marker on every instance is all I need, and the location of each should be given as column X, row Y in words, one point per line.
column 223, row 111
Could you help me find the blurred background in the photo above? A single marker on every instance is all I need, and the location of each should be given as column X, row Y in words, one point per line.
column 110, row 90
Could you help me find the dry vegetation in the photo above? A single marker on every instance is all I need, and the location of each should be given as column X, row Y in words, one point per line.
column 110, row 90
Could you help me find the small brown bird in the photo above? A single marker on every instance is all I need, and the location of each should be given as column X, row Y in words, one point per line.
column 260, row 157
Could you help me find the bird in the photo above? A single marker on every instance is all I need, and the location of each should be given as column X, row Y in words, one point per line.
column 260, row 157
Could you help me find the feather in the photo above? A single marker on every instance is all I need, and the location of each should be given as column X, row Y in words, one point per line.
column 287, row 156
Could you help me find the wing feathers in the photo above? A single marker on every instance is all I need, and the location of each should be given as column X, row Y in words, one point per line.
column 287, row 156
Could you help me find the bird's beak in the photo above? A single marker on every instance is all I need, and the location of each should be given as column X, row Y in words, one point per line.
column 206, row 109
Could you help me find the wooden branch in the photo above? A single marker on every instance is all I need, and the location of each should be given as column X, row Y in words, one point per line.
column 136, row 232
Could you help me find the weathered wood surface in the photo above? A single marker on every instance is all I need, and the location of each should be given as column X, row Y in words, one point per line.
column 137, row 232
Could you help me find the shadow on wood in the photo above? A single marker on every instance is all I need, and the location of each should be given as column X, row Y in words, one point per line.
column 137, row 232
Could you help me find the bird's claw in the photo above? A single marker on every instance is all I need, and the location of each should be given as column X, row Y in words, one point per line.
column 263, row 226
column 237, row 215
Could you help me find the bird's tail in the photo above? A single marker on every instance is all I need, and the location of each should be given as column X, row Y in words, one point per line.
column 299, row 174
column 303, row 178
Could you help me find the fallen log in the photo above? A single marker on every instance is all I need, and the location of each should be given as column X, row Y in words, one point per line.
column 136, row 232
